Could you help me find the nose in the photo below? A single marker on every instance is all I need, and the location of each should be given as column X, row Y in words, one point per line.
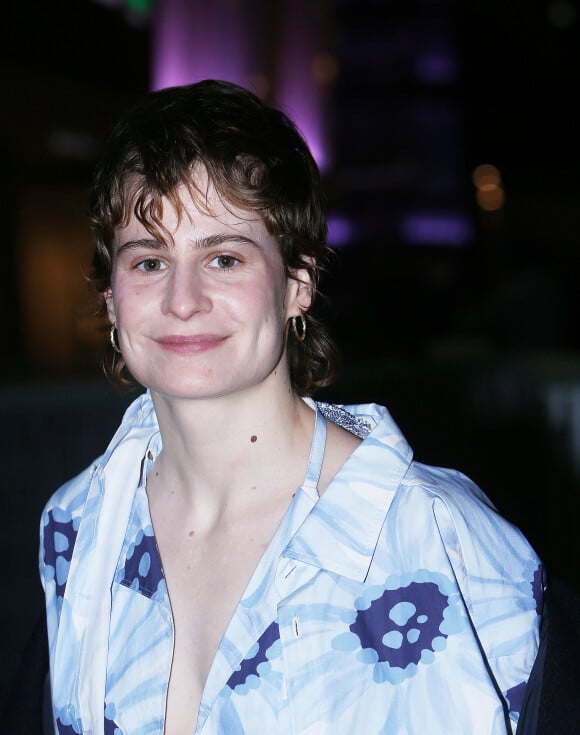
column 185, row 294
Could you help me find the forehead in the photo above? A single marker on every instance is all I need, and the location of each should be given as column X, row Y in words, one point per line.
column 195, row 208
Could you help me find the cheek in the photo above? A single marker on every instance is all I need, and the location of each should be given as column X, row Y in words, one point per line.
column 279, row 287
column 264, row 294
column 271, row 302
column 129, row 302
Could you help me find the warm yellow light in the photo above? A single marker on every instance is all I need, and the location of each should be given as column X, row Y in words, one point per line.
column 489, row 192
column 490, row 198
column 486, row 175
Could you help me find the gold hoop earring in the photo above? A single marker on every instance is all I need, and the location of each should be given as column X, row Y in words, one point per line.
column 300, row 334
column 113, row 336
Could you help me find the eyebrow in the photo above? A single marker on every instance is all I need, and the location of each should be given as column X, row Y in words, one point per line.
column 203, row 243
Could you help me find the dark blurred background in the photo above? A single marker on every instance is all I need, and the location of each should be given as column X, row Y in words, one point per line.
column 447, row 134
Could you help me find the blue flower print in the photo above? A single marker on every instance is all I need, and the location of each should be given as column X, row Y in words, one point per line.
column 515, row 697
column 111, row 728
column 143, row 571
column 249, row 667
column 65, row 729
column 59, row 540
column 402, row 625
column 67, row 723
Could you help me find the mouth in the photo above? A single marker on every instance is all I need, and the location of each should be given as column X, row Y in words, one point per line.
column 190, row 344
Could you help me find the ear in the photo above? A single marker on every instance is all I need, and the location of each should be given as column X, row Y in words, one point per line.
column 300, row 291
column 109, row 301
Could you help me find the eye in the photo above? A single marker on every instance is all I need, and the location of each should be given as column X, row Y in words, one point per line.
column 224, row 261
column 150, row 265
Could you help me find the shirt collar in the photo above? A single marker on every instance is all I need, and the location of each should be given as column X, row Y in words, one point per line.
column 342, row 530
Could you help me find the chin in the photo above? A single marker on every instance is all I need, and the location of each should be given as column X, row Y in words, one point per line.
column 198, row 390
column 199, row 384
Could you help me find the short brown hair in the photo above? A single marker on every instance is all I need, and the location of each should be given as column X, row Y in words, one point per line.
column 255, row 158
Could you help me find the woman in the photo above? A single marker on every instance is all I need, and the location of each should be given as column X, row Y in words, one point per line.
column 242, row 559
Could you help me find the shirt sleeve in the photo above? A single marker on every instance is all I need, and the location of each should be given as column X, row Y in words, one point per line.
column 58, row 531
column 501, row 580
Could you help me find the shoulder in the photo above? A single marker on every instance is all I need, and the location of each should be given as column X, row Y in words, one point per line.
column 498, row 572
column 441, row 534
column 71, row 496
column 466, row 520
column 440, row 512
column 448, row 493
column 463, row 513
column 74, row 501
column 59, row 526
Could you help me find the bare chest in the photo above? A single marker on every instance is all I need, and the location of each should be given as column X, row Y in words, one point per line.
column 206, row 575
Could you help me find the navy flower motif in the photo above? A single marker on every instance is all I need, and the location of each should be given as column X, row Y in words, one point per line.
column 538, row 588
column 65, row 729
column 403, row 623
column 111, row 727
column 143, row 571
column 249, row 666
column 515, row 697
column 59, row 541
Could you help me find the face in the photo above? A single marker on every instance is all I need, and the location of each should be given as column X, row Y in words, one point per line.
column 205, row 313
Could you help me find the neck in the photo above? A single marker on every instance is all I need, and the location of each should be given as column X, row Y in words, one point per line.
column 215, row 449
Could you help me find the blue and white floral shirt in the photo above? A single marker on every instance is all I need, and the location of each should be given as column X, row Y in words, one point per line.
column 397, row 602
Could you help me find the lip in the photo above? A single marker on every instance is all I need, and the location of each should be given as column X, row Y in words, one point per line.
column 182, row 344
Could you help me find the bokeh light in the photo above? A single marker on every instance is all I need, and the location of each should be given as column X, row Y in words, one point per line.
column 489, row 193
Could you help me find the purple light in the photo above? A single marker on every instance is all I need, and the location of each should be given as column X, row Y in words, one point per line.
column 197, row 39
column 340, row 230
column 301, row 106
column 433, row 228
column 436, row 68
column 194, row 39
column 298, row 93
